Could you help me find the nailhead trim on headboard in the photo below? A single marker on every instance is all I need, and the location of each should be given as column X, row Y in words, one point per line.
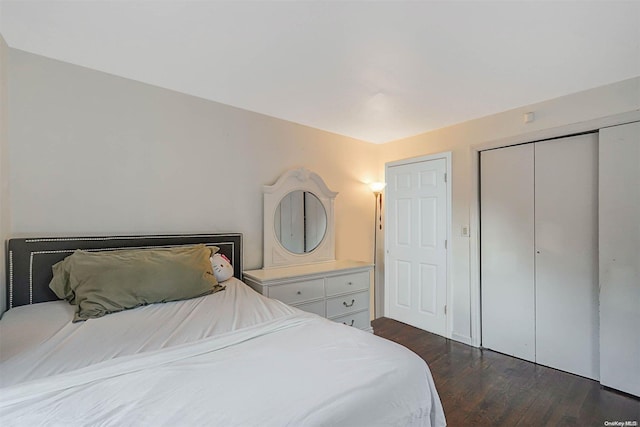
column 227, row 240
column 10, row 279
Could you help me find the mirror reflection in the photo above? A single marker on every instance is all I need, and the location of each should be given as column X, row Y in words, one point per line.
column 300, row 222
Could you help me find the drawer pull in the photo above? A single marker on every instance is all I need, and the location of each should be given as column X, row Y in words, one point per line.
column 349, row 283
column 348, row 305
column 299, row 292
column 352, row 322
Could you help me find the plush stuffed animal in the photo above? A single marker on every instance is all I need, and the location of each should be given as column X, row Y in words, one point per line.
column 222, row 267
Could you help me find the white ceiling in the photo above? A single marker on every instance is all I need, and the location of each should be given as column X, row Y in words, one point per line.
column 372, row 70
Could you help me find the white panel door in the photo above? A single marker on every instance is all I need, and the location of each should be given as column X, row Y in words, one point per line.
column 566, row 222
column 619, row 214
column 416, row 261
column 507, row 250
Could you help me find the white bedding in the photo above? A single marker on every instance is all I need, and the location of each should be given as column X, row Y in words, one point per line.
column 234, row 358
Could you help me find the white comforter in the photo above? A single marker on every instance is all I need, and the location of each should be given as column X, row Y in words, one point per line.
column 233, row 358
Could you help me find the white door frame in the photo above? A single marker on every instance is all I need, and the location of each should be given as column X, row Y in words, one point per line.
column 447, row 156
column 474, row 195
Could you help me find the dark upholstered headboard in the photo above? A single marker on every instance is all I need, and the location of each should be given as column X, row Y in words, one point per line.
column 29, row 260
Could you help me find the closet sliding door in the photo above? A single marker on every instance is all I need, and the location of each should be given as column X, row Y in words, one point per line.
column 619, row 238
column 566, row 271
column 539, row 252
column 507, row 244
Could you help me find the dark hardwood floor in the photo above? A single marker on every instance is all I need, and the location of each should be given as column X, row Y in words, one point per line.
column 480, row 387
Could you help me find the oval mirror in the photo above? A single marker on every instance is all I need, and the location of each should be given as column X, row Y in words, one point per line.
column 300, row 222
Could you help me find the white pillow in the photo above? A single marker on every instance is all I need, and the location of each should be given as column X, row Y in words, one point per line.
column 222, row 268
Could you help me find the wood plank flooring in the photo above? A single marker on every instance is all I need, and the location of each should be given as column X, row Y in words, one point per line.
column 483, row 388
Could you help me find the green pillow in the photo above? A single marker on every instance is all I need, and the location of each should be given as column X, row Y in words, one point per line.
column 60, row 282
column 99, row 283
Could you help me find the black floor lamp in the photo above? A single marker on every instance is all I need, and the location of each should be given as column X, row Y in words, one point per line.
column 377, row 188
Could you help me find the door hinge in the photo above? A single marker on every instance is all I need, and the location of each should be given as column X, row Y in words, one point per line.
column 445, row 244
column 445, row 310
column 445, row 177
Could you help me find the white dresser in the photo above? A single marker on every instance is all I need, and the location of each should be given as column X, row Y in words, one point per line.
column 337, row 290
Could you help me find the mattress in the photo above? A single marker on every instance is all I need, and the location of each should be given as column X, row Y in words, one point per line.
column 234, row 358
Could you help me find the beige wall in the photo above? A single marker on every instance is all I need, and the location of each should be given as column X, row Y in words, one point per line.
column 4, row 168
column 561, row 116
column 92, row 153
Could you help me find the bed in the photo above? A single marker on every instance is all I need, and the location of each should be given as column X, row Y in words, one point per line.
column 231, row 358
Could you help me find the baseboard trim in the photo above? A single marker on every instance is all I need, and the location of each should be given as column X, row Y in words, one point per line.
column 461, row 338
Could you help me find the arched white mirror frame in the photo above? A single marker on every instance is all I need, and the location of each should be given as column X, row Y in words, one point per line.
column 275, row 255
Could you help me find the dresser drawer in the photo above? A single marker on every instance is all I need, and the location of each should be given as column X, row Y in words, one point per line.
column 339, row 306
column 313, row 307
column 294, row 293
column 358, row 320
column 353, row 282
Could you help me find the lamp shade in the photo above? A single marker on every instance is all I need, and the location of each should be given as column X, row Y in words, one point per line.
column 377, row 187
